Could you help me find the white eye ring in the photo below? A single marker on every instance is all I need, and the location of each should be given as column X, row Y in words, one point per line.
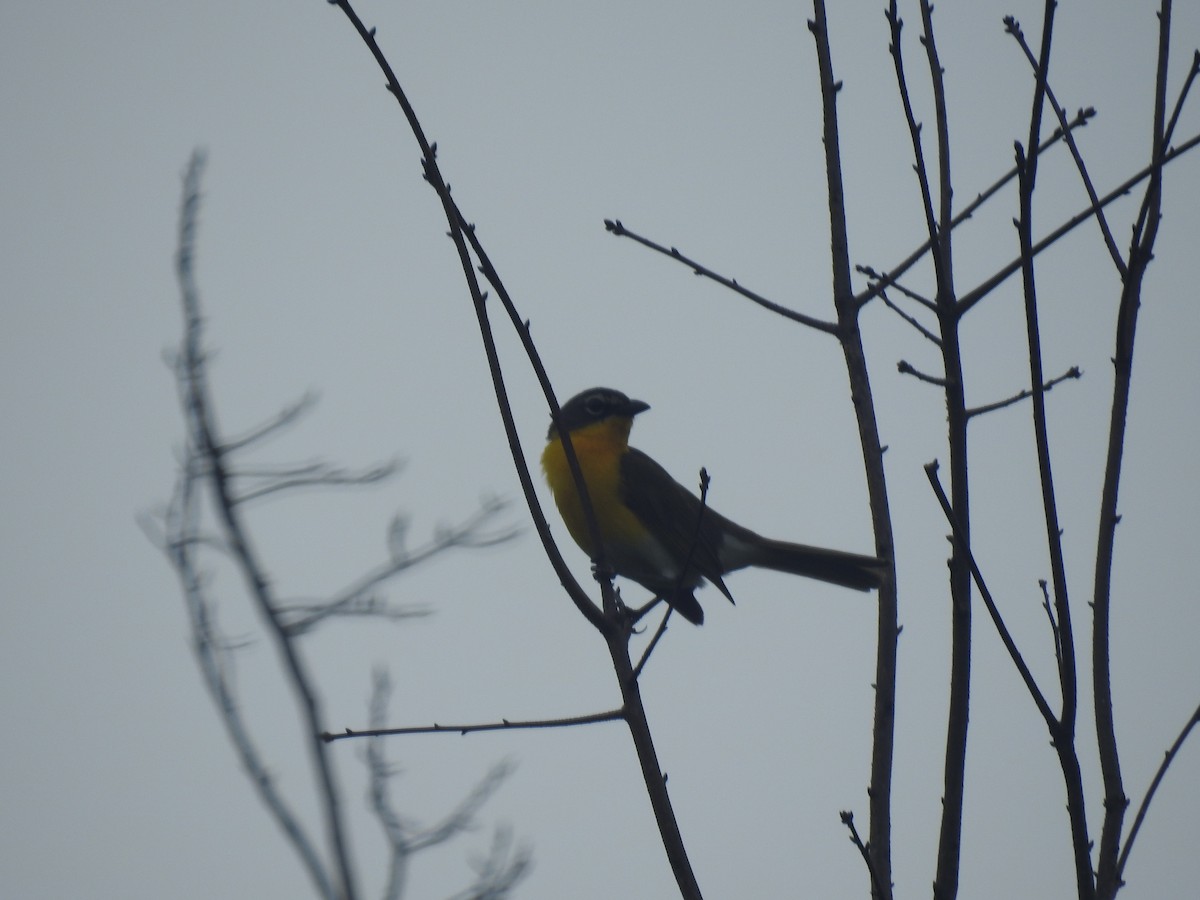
column 595, row 405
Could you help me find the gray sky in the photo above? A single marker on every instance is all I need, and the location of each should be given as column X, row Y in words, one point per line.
column 323, row 264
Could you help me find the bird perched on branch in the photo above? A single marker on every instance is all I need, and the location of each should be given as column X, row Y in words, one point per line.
column 654, row 530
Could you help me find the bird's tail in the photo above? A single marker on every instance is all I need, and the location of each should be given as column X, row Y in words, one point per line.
column 852, row 570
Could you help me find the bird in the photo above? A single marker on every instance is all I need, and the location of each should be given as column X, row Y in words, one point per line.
column 656, row 532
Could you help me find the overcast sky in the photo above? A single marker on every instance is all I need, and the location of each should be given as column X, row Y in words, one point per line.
column 323, row 265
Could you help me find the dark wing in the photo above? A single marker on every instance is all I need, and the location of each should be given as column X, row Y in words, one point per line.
column 670, row 511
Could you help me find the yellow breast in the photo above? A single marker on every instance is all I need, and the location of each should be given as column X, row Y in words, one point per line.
column 599, row 448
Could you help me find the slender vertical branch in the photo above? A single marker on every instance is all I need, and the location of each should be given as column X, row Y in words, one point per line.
column 1064, row 734
column 206, row 440
column 608, row 623
column 1141, row 252
column 887, row 628
column 939, row 224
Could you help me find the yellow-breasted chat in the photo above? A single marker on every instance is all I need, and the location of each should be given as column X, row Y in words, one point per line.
column 651, row 526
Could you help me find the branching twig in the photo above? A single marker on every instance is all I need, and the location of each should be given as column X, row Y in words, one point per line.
column 977, row 293
column 911, row 320
column 204, row 441
column 877, row 889
column 1141, row 252
column 887, row 279
column 1013, row 27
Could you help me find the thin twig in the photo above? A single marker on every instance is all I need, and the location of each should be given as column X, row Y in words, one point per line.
column 203, row 436
column 1141, row 253
column 911, row 320
column 877, row 889
column 612, row 715
column 1024, row 393
column 1010, row 645
column 1144, row 806
column 683, row 573
column 1055, row 633
column 848, row 308
column 1013, row 27
column 904, row 367
column 970, row 298
column 614, row 226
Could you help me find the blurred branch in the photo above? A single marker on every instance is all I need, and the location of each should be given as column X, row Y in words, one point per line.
column 973, row 296
column 404, row 839
column 204, row 442
column 214, row 657
column 500, row 871
column 468, row 533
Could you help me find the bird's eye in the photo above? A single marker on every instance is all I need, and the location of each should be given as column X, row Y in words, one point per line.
column 595, row 406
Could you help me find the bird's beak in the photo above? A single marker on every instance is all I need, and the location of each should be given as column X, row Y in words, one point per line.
column 636, row 406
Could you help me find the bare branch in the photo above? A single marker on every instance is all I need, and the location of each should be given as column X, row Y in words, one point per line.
column 1010, row 645
column 1144, row 806
column 282, row 419
column 877, row 889
column 887, row 279
column 1141, row 253
column 921, row 329
column 906, row 368
column 1024, row 393
column 468, row 533
column 1013, row 27
column 203, row 437
column 614, row 226
column 503, row 725
column 307, row 475
column 500, row 871
column 973, row 296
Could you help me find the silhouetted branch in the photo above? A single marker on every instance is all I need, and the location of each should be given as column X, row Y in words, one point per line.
column 888, row 278
column 1141, row 252
column 1010, row 645
column 612, row 715
column 1013, row 27
column 1024, row 394
column 1144, row 806
column 848, row 308
column 911, row 320
column 973, row 296
column 614, row 226
column 906, row 368
column 877, row 889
